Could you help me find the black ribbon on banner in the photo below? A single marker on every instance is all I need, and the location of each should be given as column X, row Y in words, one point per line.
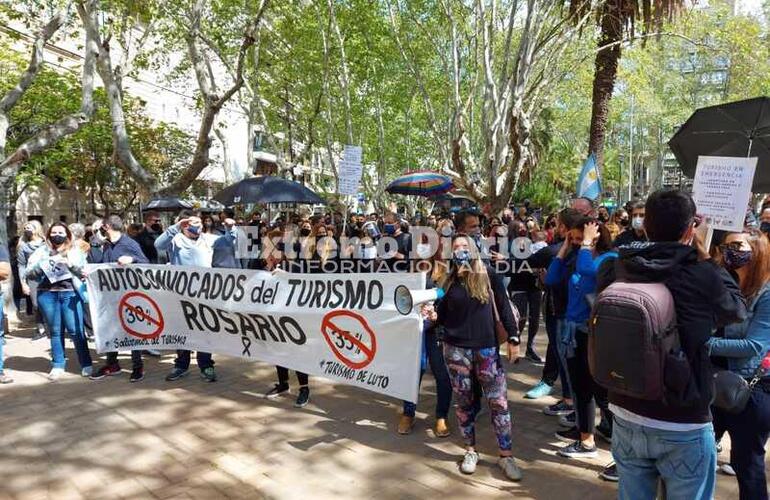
column 246, row 341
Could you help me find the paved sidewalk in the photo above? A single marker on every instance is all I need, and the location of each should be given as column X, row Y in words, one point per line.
column 76, row 438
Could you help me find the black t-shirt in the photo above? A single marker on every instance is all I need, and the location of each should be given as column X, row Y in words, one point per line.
column 404, row 245
column 627, row 237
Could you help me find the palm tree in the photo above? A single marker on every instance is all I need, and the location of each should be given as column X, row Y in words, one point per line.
column 616, row 19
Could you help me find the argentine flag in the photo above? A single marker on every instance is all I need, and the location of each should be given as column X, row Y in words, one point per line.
column 588, row 185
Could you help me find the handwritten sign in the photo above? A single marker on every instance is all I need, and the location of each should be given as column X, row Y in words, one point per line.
column 350, row 170
column 722, row 189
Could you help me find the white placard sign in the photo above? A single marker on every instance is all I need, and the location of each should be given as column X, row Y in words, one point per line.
column 55, row 270
column 350, row 170
column 722, row 189
column 344, row 327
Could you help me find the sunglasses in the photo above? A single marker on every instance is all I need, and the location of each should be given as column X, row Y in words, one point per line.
column 733, row 245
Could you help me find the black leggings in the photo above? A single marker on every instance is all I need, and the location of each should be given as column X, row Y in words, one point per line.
column 528, row 304
column 586, row 391
column 283, row 376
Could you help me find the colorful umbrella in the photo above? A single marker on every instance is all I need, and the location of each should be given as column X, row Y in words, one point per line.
column 426, row 184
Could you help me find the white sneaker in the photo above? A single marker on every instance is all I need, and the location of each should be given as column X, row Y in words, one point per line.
column 727, row 469
column 87, row 371
column 55, row 373
column 470, row 460
column 510, row 469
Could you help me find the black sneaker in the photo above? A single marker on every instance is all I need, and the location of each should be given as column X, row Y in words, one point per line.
column 208, row 374
column 578, row 450
column 533, row 357
column 303, row 397
column 176, row 374
column 560, row 408
column 604, row 430
column 568, row 436
column 568, row 420
column 277, row 390
column 106, row 371
column 137, row 374
column 610, row 473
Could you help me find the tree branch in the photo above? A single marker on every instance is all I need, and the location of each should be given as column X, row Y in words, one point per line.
column 35, row 62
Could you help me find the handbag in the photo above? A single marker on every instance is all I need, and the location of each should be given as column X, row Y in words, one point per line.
column 501, row 334
column 732, row 392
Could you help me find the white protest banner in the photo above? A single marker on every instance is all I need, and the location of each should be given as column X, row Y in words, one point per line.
column 722, row 189
column 350, row 170
column 344, row 327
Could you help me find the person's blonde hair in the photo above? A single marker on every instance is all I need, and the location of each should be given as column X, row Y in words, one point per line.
column 36, row 232
column 476, row 281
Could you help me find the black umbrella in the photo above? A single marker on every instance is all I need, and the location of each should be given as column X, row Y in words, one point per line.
column 267, row 189
column 167, row 205
column 740, row 129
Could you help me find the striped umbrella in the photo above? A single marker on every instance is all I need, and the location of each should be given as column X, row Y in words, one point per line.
column 426, row 184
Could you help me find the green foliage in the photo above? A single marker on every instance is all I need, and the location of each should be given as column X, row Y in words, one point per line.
column 84, row 161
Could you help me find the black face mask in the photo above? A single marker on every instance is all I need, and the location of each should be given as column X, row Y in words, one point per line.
column 58, row 239
column 604, row 218
column 103, row 232
column 624, row 222
column 765, row 227
column 156, row 227
column 28, row 234
column 304, row 232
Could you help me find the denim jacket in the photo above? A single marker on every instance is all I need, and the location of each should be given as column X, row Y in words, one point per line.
column 745, row 344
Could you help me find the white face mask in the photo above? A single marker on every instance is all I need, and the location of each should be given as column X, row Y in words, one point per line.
column 637, row 223
column 424, row 251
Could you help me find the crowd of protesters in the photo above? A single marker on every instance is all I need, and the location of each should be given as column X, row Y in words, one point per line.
column 497, row 273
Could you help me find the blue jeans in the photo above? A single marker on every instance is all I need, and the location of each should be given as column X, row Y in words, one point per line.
column 685, row 461
column 64, row 310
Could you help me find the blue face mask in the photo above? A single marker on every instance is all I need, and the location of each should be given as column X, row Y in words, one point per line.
column 195, row 230
column 389, row 228
column 461, row 258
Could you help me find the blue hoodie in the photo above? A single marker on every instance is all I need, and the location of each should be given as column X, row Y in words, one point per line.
column 581, row 283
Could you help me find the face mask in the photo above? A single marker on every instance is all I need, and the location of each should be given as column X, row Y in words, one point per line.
column 389, row 228
column 530, row 225
column 321, row 235
column 28, row 234
column 604, row 218
column 103, row 232
column 765, row 227
column 638, row 223
column 194, row 230
column 461, row 258
column 156, row 227
column 736, row 259
column 58, row 239
column 424, row 251
column 208, row 223
column 506, row 219
column 304, row 232
column 624, row 222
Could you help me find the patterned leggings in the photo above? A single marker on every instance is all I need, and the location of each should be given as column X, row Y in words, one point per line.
column 485, row 364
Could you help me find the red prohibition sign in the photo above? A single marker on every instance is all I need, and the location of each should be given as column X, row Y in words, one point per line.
column 329, row 328
column 151, row 317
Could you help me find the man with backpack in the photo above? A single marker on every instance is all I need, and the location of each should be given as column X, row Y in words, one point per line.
column 659, row 303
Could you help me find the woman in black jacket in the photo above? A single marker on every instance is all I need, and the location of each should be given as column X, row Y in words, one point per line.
column 467, row 315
